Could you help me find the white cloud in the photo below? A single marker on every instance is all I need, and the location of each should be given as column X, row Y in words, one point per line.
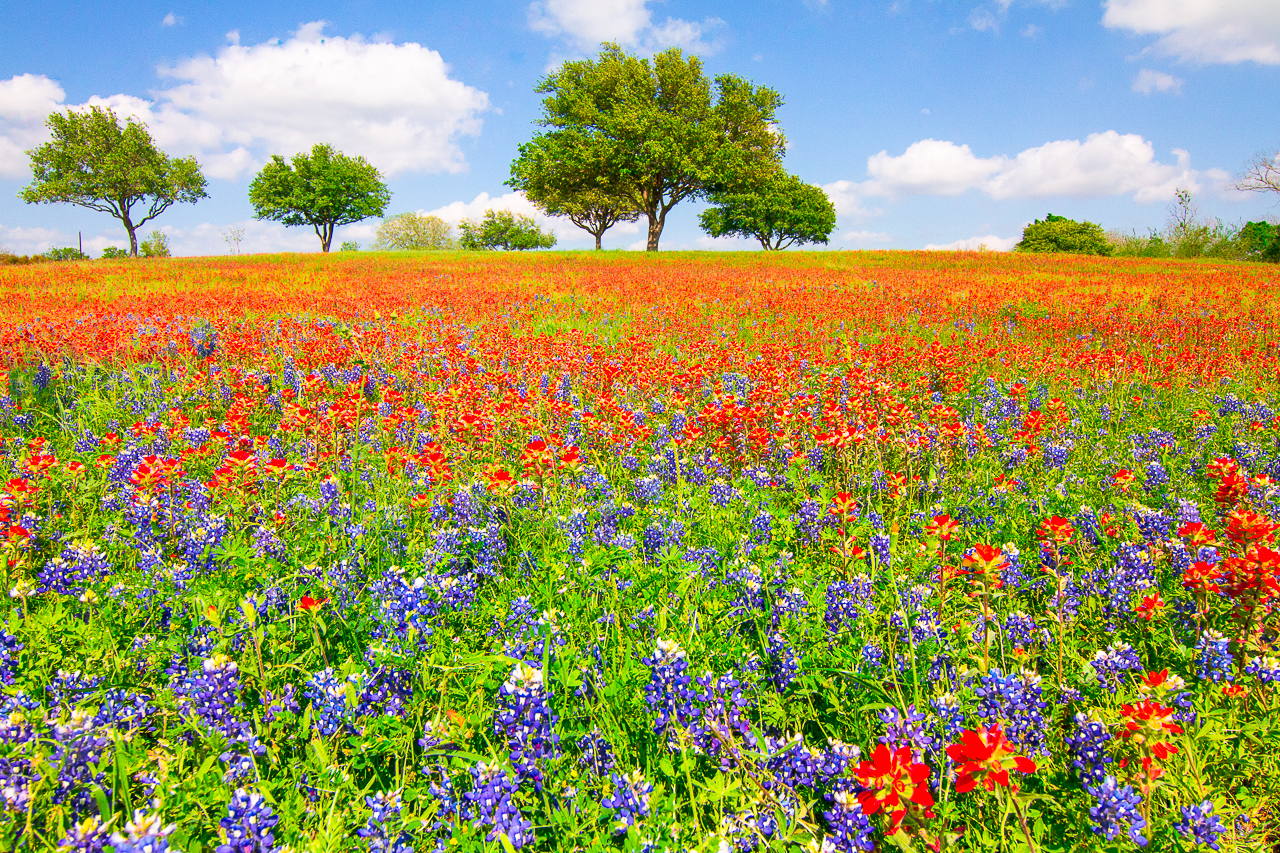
column 394, row 104
column 1205, row 31
column 861, row 238
column 587, row 23
column 171, row 20
column 25, row 100
column 847, row 198
column 990, row 242
column 564, row 230
column 1104, row 164
column 1149, row 81
column 1031, row 31
column 982, row 20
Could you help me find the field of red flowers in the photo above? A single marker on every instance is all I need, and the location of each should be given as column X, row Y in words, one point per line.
column 821, row 551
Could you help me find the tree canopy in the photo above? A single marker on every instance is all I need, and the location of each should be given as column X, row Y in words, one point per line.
column 413, row 232
column 1060, row 234
column 323, row 189
column 92, row 161
column 780, row 211
column 564, row 175
column 503, row 229
column 649, row 133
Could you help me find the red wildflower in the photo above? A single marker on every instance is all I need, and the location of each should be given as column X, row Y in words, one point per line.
column 307, row 604
column 1151, row 604
column 1057, row 530
column 985, row 757
column 893, row 780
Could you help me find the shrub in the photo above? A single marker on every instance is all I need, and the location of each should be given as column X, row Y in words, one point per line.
column 1260, row 241
column 1060, row 234
column 155, row 246
column 8, row 259
column 1134, row 245
column 413, row 232
column 502, row 229
column 67, row 253
column 349, row 246
column 114, row 253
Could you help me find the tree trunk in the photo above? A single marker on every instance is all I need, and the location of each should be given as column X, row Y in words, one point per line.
column 133, row 235
column 599, row 234
column 655, row 229
column 326, row 239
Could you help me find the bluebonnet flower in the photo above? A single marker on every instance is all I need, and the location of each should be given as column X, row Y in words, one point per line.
column 848, row 829
column 88, row 836
column 1088, row 745
column 1201, row 824
column 1117, row 811
column 847, row 603
column 880, row 545
column 784, row 663
column 1117, row 658
column 145, row 833
column 524, row 717
column 1265, row 669
column 71, row 572
column 381, row 831
column 491, row 801
column 597, row 754
column 629, row 799
column 1015, row 701
column 904, row 728
column 9, row 648
column 947, row 707
column 248, row 824
column 872, row 656
column 791, row 763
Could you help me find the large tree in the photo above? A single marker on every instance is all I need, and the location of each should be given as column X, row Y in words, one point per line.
column 780, row 211
column 565, row 175
column 653, row 132
column 94, row 162
column 323, row 189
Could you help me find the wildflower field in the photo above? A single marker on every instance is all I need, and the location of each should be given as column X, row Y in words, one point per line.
column 822, row 551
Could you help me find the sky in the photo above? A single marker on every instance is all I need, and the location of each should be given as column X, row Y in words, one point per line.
column 929, row 123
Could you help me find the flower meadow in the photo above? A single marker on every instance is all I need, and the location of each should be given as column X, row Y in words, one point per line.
column 825, row 552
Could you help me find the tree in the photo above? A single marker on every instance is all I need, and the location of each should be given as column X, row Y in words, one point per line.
column 651, row 133
column 155, row 246
column 1260, row 241
column 1262, row 175
column 93, row 162
column 1060, row 234
column 323, row 189
column 413, row 231
column 502, row 229
column 557, row 174
column 782, row 211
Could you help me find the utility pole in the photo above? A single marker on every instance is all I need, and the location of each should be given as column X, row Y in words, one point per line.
column 80, row 241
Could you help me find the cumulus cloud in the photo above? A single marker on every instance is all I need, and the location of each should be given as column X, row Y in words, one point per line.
column 1103, row 164
column 565, row 231
column 1204, row 31
column 171, row 20
column 862, row 238
column 394, row 104
column 584, row 24
column 1149, row 81
column 972, row 244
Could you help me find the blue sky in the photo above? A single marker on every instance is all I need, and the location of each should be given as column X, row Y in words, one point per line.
column 928, row 122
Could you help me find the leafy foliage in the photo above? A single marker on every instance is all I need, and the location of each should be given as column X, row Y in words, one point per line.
column 413, row 232
column 779, row 212
column 1261, row 241
column 324, row 189
column 155, row 246
column 504, row 229
column 93, row 162
column 1060, row 234
column 562, row 173
column 649, row 133
column 112, row 253
column 66, row 253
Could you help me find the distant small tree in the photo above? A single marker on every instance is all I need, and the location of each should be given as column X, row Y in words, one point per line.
column 349, row 246
column 1260, row 241
column 413, row 232
column 503, row 229
column 1262, row 175
column 1060, row 234
column 66, row 253
column 114, row 253
column 232, row 237
column 155, row 246
column 781, row 211
column 93, row 162
column 323, row 189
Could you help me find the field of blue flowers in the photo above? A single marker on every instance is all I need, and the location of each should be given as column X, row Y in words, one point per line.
column 391, row 578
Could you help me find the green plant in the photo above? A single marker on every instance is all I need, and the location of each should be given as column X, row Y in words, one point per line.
column 323, row 189
column 1260, row 241
column 780, row 211
column 349, row 246
column 93, row 162
column 502, row 229
column 114, row 253
column 1134, row 245
column 66, row 253
column 155, row 246
column 1060, row 234
column 413, row 232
